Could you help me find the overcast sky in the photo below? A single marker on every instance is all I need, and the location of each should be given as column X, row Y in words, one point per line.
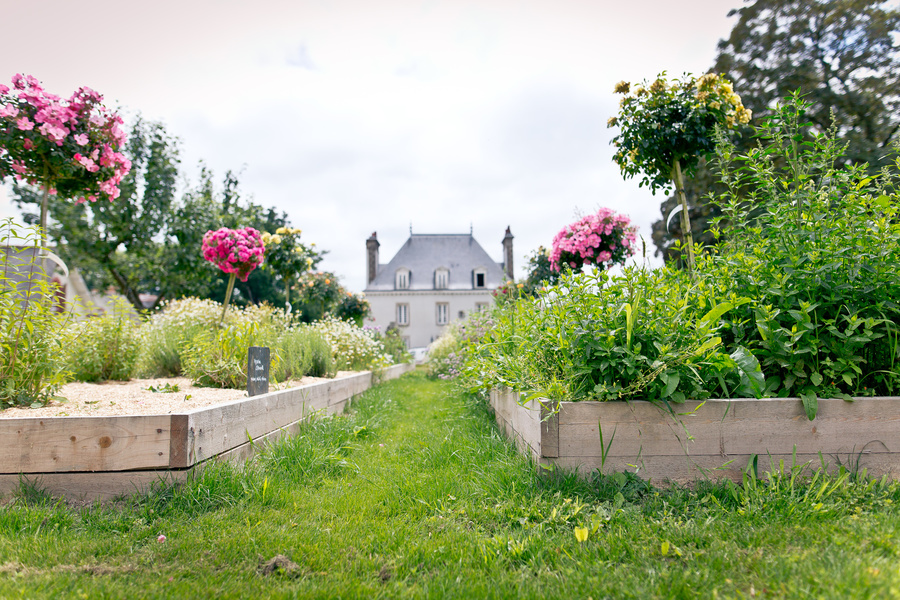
column 358, row 116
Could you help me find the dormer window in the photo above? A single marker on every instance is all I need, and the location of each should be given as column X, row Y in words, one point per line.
column 479, row 278
column 441, row 279
column 401, row 279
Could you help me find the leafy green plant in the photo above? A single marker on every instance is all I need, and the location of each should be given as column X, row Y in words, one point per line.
column 642, row 334
column 302, row 351
column 218, row 357
column 167, row 388
column 103, row 347
column 393, row 343
column 816, row 247
column 31, row 365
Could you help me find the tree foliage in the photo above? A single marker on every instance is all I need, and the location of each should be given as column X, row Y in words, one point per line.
column 842, row 57
column 149, row 240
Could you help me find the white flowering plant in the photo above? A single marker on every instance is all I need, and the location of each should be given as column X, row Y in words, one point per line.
column 352, row 346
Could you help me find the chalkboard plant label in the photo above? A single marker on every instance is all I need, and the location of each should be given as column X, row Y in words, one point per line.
column 257, row 371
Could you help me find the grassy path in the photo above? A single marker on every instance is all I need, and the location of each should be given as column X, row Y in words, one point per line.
column 416, row 495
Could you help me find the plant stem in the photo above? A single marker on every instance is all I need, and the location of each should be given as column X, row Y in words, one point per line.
column 685, row 219
column 231, row 279
column 43, row 242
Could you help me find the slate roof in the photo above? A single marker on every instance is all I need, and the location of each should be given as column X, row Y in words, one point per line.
column 422, row 254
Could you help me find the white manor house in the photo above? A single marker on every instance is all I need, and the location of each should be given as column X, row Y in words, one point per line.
column 432, row 280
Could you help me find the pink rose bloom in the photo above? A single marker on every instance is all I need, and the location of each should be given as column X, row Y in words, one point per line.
column 81, row 139
column 24, row 124
column 28, row 144
column 9, row 110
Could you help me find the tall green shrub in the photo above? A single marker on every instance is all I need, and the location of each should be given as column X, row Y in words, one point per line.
column 31, row 368
column 817, row 250
column 103, row 348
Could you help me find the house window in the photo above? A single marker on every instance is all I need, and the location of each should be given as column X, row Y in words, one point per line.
column 441, row 279
column 401, row 279
column 478, row 278
column 462, row 314
column 443, row 313
column 403, row 314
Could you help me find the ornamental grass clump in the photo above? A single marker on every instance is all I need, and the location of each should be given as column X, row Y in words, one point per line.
column 666, row 127
column 603, row 239
column 167, row 332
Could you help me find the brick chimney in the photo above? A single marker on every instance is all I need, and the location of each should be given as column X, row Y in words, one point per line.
column 508, row 255
column 372, row 253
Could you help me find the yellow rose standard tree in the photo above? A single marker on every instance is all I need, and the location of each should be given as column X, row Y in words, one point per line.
column 288, row 258
column 666, row 126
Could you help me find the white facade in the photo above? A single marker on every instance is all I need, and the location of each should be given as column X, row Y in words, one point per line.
column 431, row 282
column 423, row 311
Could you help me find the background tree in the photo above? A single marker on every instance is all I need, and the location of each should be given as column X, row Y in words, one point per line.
column 117, row 243
column 840, row 54
column 149, row 240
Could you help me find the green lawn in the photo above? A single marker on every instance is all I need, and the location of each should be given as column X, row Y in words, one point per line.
column 415, row 494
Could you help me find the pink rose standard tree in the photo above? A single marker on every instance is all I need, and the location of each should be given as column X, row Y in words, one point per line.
column 236, row 252
column 602, row 239
column 66, row 146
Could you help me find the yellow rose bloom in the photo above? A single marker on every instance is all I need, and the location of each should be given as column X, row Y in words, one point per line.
column 276, row 239
column 658, row 86
column 281, row 230
column 622, row 87
column 265, row 237
column 715, row 105
column 612, row 122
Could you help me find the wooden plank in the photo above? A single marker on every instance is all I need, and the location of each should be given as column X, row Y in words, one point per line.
column 220, row 428
column 178, row 442
column 549, row 430
column 60, row 444
column 521, row 424
column 81, row 457
column 685, row 469
column 88, row 487
column 729, row 427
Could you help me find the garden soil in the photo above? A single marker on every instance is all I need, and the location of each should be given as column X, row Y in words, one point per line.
column 135, row 397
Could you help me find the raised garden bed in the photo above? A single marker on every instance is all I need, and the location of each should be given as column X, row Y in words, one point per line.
column 715, row 440
column 91, row 457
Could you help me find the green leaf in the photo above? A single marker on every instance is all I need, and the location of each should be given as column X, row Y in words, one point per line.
column 816, row 379
column 708, row 345
column 672, row 379
column 753, row 382
column 810, row 404
column 847, row 378
column 715, row 313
